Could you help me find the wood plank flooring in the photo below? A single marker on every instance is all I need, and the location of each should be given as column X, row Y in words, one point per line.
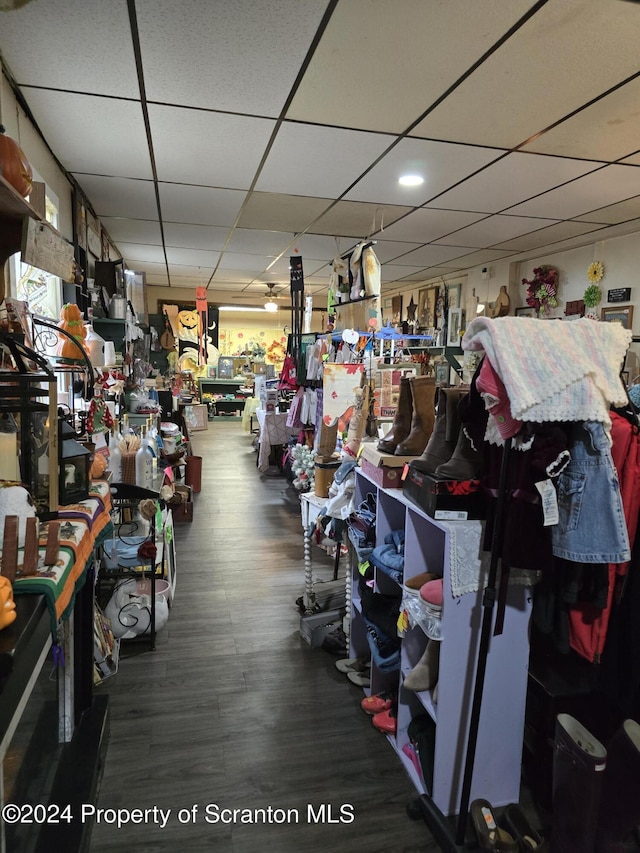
column 234, row 708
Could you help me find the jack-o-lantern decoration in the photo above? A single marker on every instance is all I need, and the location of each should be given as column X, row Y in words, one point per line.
column 72, row 322
column 14, row 166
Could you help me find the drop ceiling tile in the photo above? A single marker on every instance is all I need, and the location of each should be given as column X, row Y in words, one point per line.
column 634, row 160
column 88, row 133
column 200, row 205
column 485, row 256
column 356, row 219
column 193, row 257
column 148, row 267
column 527, row 88
column 132, row 230
column 207, row 237
column 121, row 197
column 63, row 37
column 427, row 224
column 593, row 237
column 621, row 212
column 608, row 185
column 225, row 286
column 429, row 255
column 277, row 212
column 511, row 180
column 320, row 246
column 184, row 282
column 441, row 164
column 253, row 242
column 318, row 161
column 241, row 57
column 494, row 229
column 392, row 272
column 546, row 236
column 216, row 150
column 236, row 261
column 140, row 253
column 369, row 70
column 389, row 250
column 607, row 130
column 230, row 275
column 200, row 275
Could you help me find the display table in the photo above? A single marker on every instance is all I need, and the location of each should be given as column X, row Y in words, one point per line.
column 274, row 432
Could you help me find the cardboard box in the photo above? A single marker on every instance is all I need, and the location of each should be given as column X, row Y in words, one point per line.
column 314, row 628
column 383, row 468
column 445, row 500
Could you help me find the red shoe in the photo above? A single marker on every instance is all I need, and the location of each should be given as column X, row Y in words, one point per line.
column 376, row 704
column 385, row 721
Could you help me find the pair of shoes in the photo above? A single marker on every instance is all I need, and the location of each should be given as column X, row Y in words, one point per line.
column 360, row 679
column 412, row 585
column 432, row 595
column 488, row 835
column 347, row 665
column 385, row 721
column 375, row 704
column 515, row 822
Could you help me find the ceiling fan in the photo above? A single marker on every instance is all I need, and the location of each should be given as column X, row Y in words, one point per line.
column 270, row 299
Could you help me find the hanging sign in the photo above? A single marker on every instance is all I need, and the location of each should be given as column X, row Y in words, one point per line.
column 45, row 249
column 619, row 294
column 296, row 275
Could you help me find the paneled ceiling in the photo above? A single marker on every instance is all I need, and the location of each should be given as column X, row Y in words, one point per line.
column 214, row 139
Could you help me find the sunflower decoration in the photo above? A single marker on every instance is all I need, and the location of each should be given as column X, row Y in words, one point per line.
column 595, row 273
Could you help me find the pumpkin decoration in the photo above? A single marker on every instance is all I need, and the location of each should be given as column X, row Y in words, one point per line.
column 72, row 322
column 14, row 166
column 98, row 466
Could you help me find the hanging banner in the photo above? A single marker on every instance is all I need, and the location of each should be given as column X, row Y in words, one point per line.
column 296, row 274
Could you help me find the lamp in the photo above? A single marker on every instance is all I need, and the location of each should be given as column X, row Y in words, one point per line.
column 75, row 463
column 271, row 305
column 28, row 411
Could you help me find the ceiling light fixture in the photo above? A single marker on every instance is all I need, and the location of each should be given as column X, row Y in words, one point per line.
column 270, row 305
column 411, row 180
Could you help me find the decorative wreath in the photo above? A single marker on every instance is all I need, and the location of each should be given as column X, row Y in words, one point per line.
column 542, row 289
column 595, row 273
column 592, row 296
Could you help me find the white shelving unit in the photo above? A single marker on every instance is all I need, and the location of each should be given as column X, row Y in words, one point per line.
column 498, row 760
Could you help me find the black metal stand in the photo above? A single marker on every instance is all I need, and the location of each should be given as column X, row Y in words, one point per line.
column 424, row 807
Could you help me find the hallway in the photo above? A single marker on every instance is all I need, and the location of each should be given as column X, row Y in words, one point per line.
column 234, row 708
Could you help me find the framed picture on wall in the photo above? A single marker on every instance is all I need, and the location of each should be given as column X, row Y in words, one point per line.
column 396, row 309
column 212, row 372
column 526, row 312
column 225, row 367
column 453, row 295
column 622, row 314
column 455, row 327
column 427, row 299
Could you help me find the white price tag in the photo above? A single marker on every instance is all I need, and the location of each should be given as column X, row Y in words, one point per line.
column 549, row 502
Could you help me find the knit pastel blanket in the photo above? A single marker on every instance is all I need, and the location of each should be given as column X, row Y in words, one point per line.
column 554, row 370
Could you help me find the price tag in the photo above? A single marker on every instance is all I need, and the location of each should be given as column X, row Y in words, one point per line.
column 549, row 502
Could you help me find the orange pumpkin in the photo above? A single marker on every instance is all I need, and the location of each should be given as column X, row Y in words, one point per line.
column 14, row 166
column 71, row 321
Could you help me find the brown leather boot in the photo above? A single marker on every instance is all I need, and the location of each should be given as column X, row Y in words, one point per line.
column 443, row 439
column 465, row 462
column 402, row 421
column 423, row 390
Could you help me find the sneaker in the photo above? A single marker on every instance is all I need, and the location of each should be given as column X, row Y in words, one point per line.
column 385, row 721
column 410, row 751
column 352, row 665
column 432, row 594
column 360, row 679
column 375, row 704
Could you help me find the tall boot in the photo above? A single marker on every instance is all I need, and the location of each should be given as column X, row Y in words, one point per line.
column 423, row 391
column 445, row 433
column 357, row 423
column 401, row 425
column 465, row 462
column 578, row 764
column 620, row 804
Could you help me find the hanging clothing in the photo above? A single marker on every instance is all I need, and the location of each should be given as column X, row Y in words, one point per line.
column 591, row 526
column 554, row 371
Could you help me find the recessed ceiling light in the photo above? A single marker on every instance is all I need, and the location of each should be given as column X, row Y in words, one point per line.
column 411, row 180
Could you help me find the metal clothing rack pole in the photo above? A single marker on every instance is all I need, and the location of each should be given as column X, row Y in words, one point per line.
column 425, row 807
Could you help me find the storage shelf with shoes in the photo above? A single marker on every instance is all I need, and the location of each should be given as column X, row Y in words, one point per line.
column 443, row 658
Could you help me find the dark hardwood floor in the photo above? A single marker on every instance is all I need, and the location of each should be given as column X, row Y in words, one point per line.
column 233, row 708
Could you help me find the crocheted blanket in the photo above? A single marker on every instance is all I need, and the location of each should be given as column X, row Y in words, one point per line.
column 553, row 370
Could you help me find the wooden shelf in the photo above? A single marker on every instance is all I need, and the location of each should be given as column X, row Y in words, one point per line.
column 12, row 205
